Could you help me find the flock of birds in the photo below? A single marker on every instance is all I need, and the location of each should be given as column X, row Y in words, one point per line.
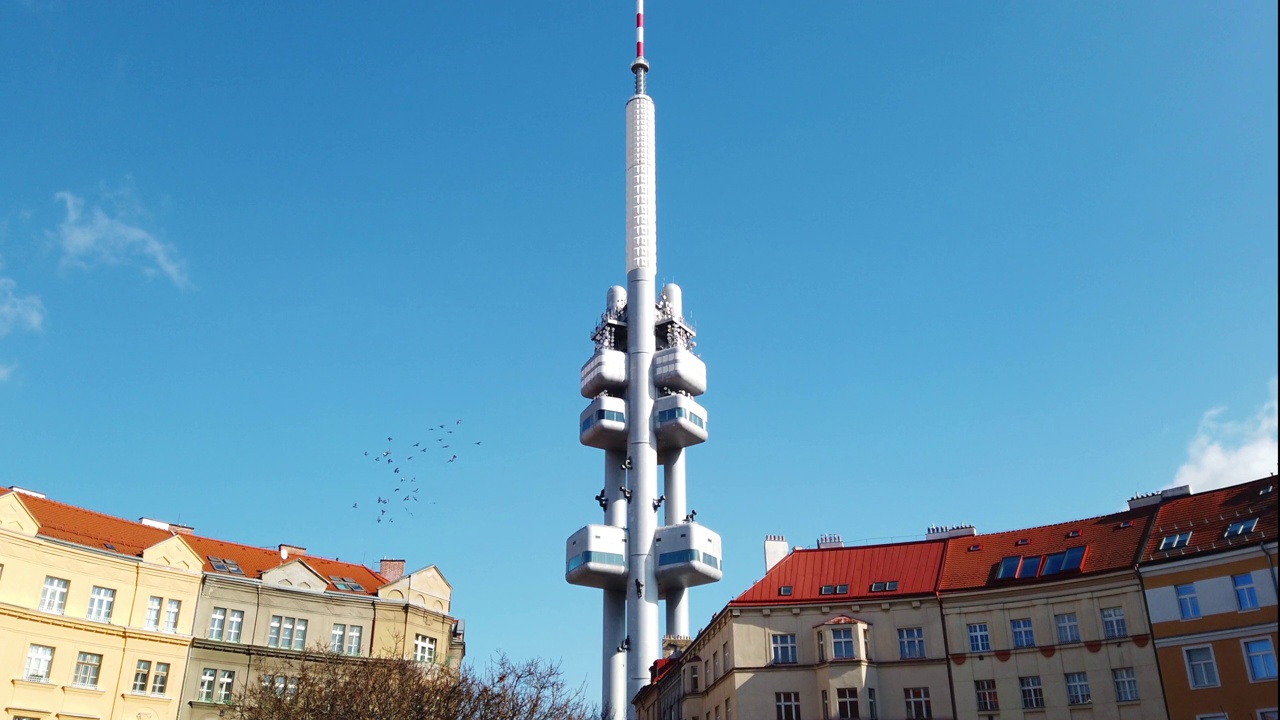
column 401, row 491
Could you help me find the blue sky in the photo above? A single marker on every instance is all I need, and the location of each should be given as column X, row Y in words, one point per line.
column 994, row 263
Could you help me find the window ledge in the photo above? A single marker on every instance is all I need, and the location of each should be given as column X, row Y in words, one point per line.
column 146, row 696
column 83, row 690
column 26, row 682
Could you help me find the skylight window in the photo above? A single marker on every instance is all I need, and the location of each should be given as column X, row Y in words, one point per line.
column 784, row 590
column 1073, row 534
column 1126, row 524
column 1030, row 566
column 1023, row 541
column 827, row 590
column 218, row 564
column 1171, row 542
column 1069, row 559
column 975, row 548
column 1267, row 490
column 357, row 587
column 886, row 586
column 232, row 566
column 1241, row 527
column 842, row 589
column 109, row 546
column 1009, row 567
column 1075, row 558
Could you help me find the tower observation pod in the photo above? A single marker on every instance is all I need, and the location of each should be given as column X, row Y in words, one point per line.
column 641, row 383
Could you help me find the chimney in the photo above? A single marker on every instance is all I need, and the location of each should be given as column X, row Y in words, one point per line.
column 830, row 541
column 775, row 548
column 674, row 644
column 392, row 570
column 182, row 529
column 287, row 551
column 1155, row 498
column 942, row 532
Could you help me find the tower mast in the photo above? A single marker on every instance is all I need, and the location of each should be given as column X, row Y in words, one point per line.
column 642, row 380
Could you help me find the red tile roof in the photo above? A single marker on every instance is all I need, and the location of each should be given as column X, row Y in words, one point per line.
column 1110, row 546
column 69, row 523
column 913, row 565
column 1208, row 514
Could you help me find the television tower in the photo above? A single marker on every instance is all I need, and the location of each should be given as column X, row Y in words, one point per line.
column 642, row 381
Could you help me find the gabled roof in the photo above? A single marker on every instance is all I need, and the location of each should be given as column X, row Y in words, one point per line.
column 69, row 523
column 1110, row 542
column 1208, row 515
column 913, row 566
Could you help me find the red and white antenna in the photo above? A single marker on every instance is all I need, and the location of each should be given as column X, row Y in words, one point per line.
column 640, row 66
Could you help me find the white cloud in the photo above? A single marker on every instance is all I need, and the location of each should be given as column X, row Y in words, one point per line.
column 113, row 238
column 6, row 371
column 18, row 311
column 1226, row 452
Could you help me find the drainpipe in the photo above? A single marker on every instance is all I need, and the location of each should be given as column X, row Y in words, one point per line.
column 946, row 649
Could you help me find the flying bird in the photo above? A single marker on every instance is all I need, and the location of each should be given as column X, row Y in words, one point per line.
column 355, row 505
column 455, row 457
column 417, row 444
column 477, row 442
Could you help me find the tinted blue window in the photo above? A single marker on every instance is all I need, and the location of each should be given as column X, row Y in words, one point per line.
column 1054, row 563
column 1008, row 567
column 1075, row 556
column 1029, row 567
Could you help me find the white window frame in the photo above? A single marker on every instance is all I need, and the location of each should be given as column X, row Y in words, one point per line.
column 424, row 648
column 53, row 596
column 102, row 601
column 1249, row 591
column 235, row 625
column 1023, row 636
column 1116, row 626
column 911, row 643
column 1188, row 601
column 217, row 623
column 1068, row 627
column 1032, row 692
column 355, row 635
column 88, row 668
column 208, row 684
column 1128, row 682
column 1078, row 690
column 987, row 695
column 160, row 679
column 785, row 649
column 226, row 686
column 919, row 706
column 979, row 638
column 847, row 703
column 39, row 663
column 141, row 677
column 1212, row 663
column 338, row 638
column 154, row 604
column 787, row 705
column 172, row 610
column 842, row 647
column 1248, row 658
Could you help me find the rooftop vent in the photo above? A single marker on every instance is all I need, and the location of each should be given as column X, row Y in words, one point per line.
column 775, row 549
column 1155, row 498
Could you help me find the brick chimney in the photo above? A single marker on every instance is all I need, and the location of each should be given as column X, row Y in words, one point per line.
column 392, row 570
column 287, row 551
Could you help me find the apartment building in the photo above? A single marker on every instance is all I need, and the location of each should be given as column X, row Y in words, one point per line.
column 102, row 617
column 1048, row 622
column 1209, row 577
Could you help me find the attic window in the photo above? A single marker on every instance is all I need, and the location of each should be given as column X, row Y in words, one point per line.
column 1126, row 524
column 1009, row 567
column 233, row 567
column 1073, row 534
column 1241, row 527
column 784, row 590
column 1070, row 559
column 886, row 586
column 827, row 590
column 975, row 548
column 1177, row 540
column 109, row 546
column 342, row 583
column 1023, row 541
column 218, row 564
column 357, row 587
column 1267, row 490
column 1030, row 566
column 842, row 589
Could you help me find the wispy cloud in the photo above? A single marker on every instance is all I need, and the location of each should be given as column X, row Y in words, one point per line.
column 18, row 311
column 1226, row 452
column 108, row 233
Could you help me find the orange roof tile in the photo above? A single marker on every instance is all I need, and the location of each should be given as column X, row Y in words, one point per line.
column 1207, row 516
column 913, row 565
column 69, row 523
column 1112, row 541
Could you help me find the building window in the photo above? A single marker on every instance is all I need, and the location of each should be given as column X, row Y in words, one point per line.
column 424, row 649
column 235, row 621
column 788, row 705
column 217, row 623
column 1068, row 628
column 338, row 637
column 226, row 683
column 911, row 643
column 728, row 709
column 1246, row 594
column 171, row 616
column 353, row 634
column 101, row 602
column 872, row 712
column 986, row 691
column 1023, row 635
column 87, row 667
column 1262, row 659
column 39, row 658
column 1078, row 688
column 1126, row 684
column 1113, row 625
column 1171, row 542
column 842, row 644
column 153, row 612
column 979, row 638
column 1188, row 603
column 142, row 674
column 1201, row 668
column 784, row 649
column 715, row 664
column 160, row 681
column 287, row 633
column 208, row 679
column 846, row 703
column 1032, row 693
column 918, row 706
column 693, row 677
column 1241, row 528
column 53, row 598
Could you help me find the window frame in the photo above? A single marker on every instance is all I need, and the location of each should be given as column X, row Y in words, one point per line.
column 918, row 704
column 1212, row 663
column 1072, row 626
column 1117, row 626
column 87, row 671
column 1078, row 690
column 1024, row 636
column 1032, row 691
column 847, row 700
column 912, row 643
column 40, row 661
column 780, row 643
column 1131, row 681
column 103, row 603
column 1249, row 591
column 53, row 597
column 979, row 637
column 141, row 677
column 787, row 705
column 1248, row 658
column 986, row 695
column 1188, row 601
